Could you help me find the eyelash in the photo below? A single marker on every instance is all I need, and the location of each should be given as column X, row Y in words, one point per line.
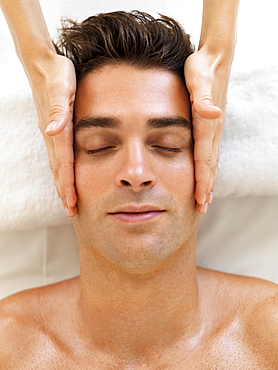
column 166, row 149
column 94, row 151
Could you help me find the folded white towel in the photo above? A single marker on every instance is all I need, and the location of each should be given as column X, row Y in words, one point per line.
column 248, row 160
column 249, row 150
column 28, row 194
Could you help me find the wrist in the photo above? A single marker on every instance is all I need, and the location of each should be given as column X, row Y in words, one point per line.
column 220, row 53
column 218, row 46
column 36, row 60
column 219, row 27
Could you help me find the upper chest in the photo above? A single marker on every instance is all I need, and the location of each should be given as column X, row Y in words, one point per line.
column 222, row 352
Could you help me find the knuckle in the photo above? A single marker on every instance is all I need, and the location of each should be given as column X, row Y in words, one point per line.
column 209, row 163
column 206, row 98
column 58, row 191
column 56, row 109
column 213, row 169
column 54, row 173
column 59, row 165
column 63, row 166
column 51, row 166
column 54, row 170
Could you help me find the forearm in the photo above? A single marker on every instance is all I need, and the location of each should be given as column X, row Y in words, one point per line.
column 218, row 33
column 27, row 25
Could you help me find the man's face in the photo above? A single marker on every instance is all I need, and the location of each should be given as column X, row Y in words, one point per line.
column 134, row 166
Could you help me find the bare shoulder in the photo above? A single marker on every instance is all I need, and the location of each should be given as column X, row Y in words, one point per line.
column 26, row 323
column 254, row 304
column 261, row 320
column 244, row 289
column 14, row 326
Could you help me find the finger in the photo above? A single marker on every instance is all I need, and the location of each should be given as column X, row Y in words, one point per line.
column 64, row 159
column 53, row 166
column 203, row 133
column 58, row 119
column 203, row 172
column 201, row 97
column 60, row 153
column 202, row 209
column 215, row 162
column 61, row 108
column 72, row 211
column 206, row 157
column 205, row 107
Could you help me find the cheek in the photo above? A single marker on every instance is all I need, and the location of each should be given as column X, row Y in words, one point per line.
column 179, row 179
column 91, row 180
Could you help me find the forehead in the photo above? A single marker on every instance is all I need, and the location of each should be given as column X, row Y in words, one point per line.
column 128, row 92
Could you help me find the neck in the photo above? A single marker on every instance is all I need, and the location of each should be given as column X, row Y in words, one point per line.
column 144, row 312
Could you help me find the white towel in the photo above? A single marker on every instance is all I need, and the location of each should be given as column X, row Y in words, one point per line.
column 249, row 150
column 28, row 195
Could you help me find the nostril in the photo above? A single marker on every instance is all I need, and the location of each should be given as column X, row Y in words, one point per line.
column 143, row 184
column 146, row 183
column 125, row 183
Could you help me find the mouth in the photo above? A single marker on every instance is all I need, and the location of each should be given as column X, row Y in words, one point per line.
column 133, row 214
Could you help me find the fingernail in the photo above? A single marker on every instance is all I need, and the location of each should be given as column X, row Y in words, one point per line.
column 204, row 208
column 204, row 199
column 210, row 198
column 63, row 203
column 52, row 125
column 69, row 212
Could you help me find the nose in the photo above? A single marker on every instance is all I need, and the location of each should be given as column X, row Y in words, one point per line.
column 135, row 172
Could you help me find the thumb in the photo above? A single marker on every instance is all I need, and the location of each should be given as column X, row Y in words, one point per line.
column 58, row 118
column 206, row 108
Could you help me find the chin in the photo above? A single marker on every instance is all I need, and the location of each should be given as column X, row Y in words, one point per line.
column 141, row 257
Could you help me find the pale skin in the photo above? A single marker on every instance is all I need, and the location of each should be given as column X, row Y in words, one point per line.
column 140, row 301
column 52, row 79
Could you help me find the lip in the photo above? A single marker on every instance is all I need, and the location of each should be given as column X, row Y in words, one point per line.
column 135, row 214
column 136, row 209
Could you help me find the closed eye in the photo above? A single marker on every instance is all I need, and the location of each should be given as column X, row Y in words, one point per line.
column 99, row 150
column 167, row 149
column 164, row 148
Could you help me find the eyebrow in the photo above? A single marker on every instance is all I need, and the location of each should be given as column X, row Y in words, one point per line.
column 112, row 123
column 105, row 122
column 162, row 122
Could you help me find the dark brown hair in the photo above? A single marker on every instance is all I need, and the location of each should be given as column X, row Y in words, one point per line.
column 135, row 38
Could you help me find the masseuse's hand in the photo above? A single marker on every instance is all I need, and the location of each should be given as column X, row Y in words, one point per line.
column 53, row 85
column 207, row 80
